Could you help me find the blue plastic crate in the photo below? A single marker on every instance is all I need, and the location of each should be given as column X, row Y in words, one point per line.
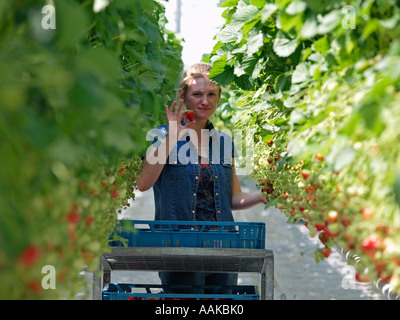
column 125, row 291
column 195, row 234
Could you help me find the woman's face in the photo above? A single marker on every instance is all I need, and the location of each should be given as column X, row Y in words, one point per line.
column 202, row 97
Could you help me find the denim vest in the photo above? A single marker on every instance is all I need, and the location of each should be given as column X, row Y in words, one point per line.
column 175, row 190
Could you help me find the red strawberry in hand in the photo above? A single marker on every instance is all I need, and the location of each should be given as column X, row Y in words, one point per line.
column 190, row 115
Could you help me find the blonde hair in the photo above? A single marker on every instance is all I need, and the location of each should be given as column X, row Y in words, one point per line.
column 197, row 70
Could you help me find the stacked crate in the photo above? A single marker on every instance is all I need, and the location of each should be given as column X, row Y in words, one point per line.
column 194, row 234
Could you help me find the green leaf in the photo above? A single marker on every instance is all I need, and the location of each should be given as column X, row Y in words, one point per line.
column 257, row 68
column 344, row 158
column 150, row 79
column 340, row 155
column 397, row 188
column 249, row 63
column 250, row 25
column 284, row 45
column 151, row 29
column 228, row 3
column 309, row 28
column 218, row 66
column 322, row 45
column 224, row 78
column 329, row 22
column 227, row 34
column 371, row 113
column 72, row 23
column 267, row 11
column 282, row 3
column 316, row 5
column 271, row 203
column 258, row 3
column 282, row 83
column 301, row 73
column 239, row 71
column 318, row 256
column 244, row 13
column 297, row 116
column 243, row 82
column 392, row 22
column 255, row 40
column 288, row 22
column 351, row 125
column 296, row 7
column 99, row 61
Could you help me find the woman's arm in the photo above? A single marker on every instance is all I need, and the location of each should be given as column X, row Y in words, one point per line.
column 153, row 164
column 156, row 157
column 241, row 200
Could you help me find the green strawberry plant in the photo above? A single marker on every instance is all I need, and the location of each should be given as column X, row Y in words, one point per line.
column 76, row 103
column 319, row 83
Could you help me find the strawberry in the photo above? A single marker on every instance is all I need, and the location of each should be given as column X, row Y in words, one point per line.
column 114, row 193
column 326, row 252
column 190, row 115
column 323, row 238
column 330, row 234
column 319, row 226
column 345, row 221
column 362, row 277
column 332, row 215
column 371, row 243
column 29, row 256
column 367, row 213
column 35, row 286
column 73, row 217
column 305, row 174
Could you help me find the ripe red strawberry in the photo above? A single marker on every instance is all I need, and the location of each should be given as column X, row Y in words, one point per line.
column 114, row 193
column 323, row 238
column 268, row 190
column 326, row 252
column 29, row 256
column 190, row 115
column 371, row 243
column 305, row 174
column 319, row 226
column 73, row 217
column 345, row 221
column 35, row 286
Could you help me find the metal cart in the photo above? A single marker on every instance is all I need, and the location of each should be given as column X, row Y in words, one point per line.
column 188, row 259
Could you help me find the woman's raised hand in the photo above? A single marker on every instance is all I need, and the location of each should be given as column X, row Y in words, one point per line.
column 174, row 118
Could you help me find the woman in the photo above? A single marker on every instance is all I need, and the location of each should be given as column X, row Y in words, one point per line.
column 191, row 168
